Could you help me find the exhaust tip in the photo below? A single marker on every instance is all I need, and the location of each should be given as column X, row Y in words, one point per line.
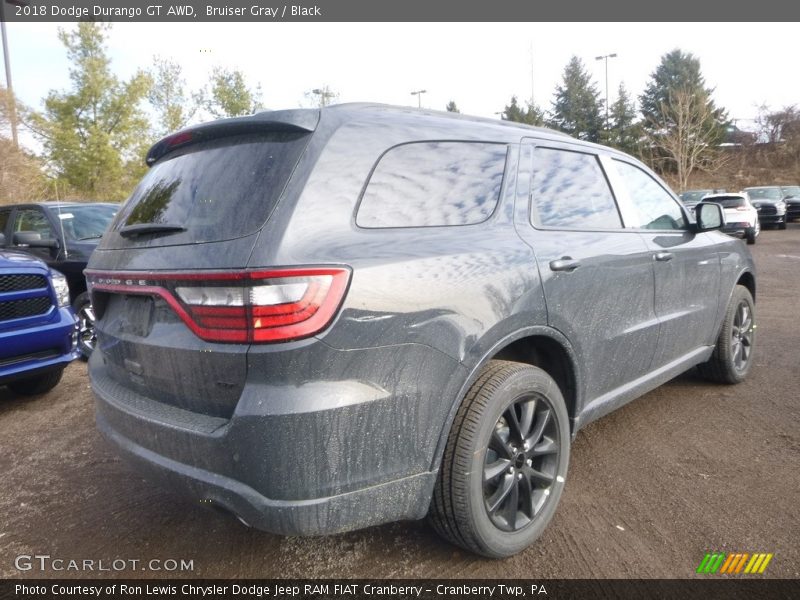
column 221, row 508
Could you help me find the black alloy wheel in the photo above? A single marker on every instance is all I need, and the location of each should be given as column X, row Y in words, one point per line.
column 521, row 461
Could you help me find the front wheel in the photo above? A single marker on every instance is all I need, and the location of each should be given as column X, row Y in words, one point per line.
column 86, row 334
column 782, row 224
column 505, row 462
column 733, row 354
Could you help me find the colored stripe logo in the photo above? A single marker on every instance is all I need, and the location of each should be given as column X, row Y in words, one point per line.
column 734, row 563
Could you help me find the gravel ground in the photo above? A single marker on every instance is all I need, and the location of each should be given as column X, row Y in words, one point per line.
column 689, row 468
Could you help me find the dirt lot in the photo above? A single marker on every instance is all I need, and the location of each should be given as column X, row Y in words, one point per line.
column 691, row 467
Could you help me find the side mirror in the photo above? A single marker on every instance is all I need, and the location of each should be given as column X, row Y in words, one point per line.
column 709, row 216
column 33, row 239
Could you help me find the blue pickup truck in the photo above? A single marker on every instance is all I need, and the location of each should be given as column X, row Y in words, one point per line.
column 38, row 332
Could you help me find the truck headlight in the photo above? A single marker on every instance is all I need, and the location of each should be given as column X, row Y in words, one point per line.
column 61, row 288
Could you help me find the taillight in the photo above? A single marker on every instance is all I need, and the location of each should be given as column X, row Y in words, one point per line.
column 241, row 306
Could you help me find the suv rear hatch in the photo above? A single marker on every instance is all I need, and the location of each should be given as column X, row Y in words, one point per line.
column 191, row 225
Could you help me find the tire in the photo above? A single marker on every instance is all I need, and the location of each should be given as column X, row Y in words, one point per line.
column 782, row 224
column 523, row 483
column 733, row 354
column 40, row 384
column 750, row 235
column 86, row 334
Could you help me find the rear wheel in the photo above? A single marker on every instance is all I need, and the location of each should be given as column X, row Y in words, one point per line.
column 33, row 386
column 750, row 235
column 505, row 462
column 733, row 354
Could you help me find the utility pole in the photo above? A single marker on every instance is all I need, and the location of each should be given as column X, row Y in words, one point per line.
column 533, row 101
column 605, row 58
column 325, row 95
column 418, row 94
column 12, row 105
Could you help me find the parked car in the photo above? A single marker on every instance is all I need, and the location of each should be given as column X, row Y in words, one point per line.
column 327, row 319
column 768, row 201
column 690, row 198
column 741, row 218
column 791, row 195
column 38, row 332
column 63, row 235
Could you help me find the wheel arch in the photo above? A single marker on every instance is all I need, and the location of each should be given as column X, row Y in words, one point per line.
column 748, row 280
column 538, row 346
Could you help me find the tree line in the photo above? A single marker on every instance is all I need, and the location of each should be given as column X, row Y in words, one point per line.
column 95, row 134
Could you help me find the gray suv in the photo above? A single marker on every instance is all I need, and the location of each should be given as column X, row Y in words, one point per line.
column 321, row 320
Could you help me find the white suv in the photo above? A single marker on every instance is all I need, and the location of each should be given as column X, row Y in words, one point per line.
column 741, row 218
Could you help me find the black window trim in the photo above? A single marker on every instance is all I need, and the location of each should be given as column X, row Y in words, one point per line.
column 489, row 218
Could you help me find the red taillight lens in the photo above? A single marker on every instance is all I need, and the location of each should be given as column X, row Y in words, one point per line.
column 242, row 306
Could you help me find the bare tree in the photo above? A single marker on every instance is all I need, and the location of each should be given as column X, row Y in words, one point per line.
column 683, row 133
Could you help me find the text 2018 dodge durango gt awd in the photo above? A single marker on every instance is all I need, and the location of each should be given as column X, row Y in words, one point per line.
column 322, row 320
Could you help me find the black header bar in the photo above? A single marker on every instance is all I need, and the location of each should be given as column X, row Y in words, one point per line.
column 272, row 11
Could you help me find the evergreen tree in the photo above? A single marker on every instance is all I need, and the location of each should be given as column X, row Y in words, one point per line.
column 681, row 121
column 576, row 107
column 679, row 72
column 531, row 115
column 451, row 107
column 625, row 131
column 94, row 135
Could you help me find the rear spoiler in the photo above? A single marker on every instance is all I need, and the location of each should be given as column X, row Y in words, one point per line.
column 300, row 121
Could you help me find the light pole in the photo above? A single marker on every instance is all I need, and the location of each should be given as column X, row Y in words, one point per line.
column 12, row 105
column 325, row 94
column 605, row 58
column 418, row 94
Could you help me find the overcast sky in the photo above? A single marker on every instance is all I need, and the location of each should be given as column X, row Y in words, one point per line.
column 479, row 65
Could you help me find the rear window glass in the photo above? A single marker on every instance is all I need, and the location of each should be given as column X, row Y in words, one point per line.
column 728, row 202
column 216, row 190
column 427, row 184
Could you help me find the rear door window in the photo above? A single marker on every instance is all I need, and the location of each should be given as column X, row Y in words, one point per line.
column 215, row 190
column 426, row 184
column 569, row 190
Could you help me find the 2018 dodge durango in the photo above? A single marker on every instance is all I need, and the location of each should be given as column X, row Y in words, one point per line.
column 328, row 319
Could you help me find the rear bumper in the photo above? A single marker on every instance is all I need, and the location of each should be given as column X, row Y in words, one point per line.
column 736, row 229
column 38, row 348
column 298, row 458
column 406, row 498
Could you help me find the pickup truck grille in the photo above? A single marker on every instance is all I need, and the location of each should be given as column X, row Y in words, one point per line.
column 28, row 307
column 21, row 282
column 768, row 209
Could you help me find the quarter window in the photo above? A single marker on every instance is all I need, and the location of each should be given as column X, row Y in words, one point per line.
column 426, row 184
column 656, row 209
column 569, row 190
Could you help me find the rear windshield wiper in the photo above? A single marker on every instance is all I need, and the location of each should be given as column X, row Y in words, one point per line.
column 142, row 228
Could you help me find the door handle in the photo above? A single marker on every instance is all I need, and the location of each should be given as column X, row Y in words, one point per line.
column 565, row 263
column 663, row 256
